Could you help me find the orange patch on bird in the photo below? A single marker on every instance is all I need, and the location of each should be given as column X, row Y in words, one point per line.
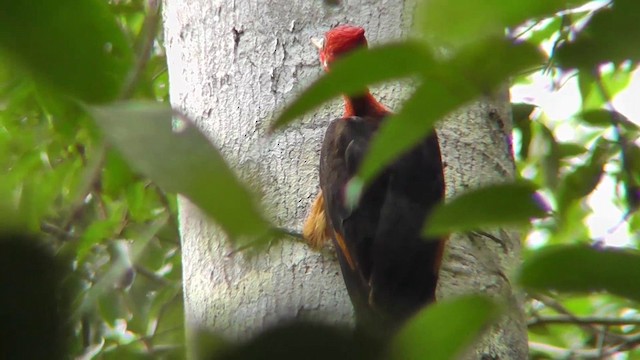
column 316, row 227
column 345, row 252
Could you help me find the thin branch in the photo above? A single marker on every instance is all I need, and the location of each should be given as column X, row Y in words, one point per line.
column 587, row 327
column 151, row 275
column 292, row 233
column 145, row 42
column 91, row 177
column 582, row 320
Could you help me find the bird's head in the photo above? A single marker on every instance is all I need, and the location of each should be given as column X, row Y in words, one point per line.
column 339, row 41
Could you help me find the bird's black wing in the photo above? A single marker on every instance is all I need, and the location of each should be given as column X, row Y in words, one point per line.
column 406, row 264
column 354, row 229
column 390, row 270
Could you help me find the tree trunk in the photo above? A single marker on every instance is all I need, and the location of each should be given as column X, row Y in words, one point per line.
column 232, row 66
column 477, row 151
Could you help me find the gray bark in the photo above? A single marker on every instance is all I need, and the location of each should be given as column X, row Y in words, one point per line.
column 232, row 66
column 477, row 151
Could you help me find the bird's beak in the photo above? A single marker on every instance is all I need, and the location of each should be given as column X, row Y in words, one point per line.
column 318, row 43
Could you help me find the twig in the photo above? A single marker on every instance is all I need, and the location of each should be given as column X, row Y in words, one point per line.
column 587, row 327
column 145, row 42
column 90, row 179
column 151, row 275
column 292, row 233
column 564, row 353
column 583, row 320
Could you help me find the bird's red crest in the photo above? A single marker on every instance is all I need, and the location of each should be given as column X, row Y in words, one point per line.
column 341, row 40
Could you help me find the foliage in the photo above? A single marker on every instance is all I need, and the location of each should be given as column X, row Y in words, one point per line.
column 114, row 230
column 76, row 170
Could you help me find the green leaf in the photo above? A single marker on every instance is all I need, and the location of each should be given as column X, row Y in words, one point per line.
column 355, row 72
column 584, row 178
column 549, row 153
column 99, row 230
column 491, row 206
column 121, row 263
column 522, row 122
column 581, row 269
column 445, row 330
column 597, row 117
column 181, row 161
column 570, row 150
column 476, row 70
column 460, row 22
column 612, row 34
column 76, row 46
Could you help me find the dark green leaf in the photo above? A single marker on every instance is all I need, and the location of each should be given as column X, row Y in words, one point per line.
column 491, row 206
column 76, row 46
column 444, row 330
column 476, row 70
column 583, row 179
column 181, row 161
column 611, row 35
column 460, row 22
column 579, row 268
column 599, row 117
column 569, row 150
column 522, row 122
column 355, row 72
column 550, row 155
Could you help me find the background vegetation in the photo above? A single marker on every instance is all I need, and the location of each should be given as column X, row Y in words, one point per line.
column 92, row 164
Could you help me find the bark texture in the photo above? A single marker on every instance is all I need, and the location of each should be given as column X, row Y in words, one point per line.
column 232, row 65
column 477, row 151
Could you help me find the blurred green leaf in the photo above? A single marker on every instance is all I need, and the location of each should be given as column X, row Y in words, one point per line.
column 121, row 263
column 584, row 178
column 182, row 161
column 353, row 73
column 492, row 206
column 570, row 149
column 591, row 95
column 550, row 27
column 461, row 22
column 116, row 174
column 76, row 46
column 522, row 122
column 444, row 330
column 599, row 117
column 101, row 229
column 581, row 269
column 549, row 152
column 476, row 70
column 612, row 34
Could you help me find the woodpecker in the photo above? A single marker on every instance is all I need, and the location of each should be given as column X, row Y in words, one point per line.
column 389, row 268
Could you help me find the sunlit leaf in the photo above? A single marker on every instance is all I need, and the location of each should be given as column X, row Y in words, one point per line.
column 355, row 72
column 611, row 35
column 582, row 269
column 491, row 206
column 76, row 46
column 481, row 18
column 181, row 161
column 445, row 330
